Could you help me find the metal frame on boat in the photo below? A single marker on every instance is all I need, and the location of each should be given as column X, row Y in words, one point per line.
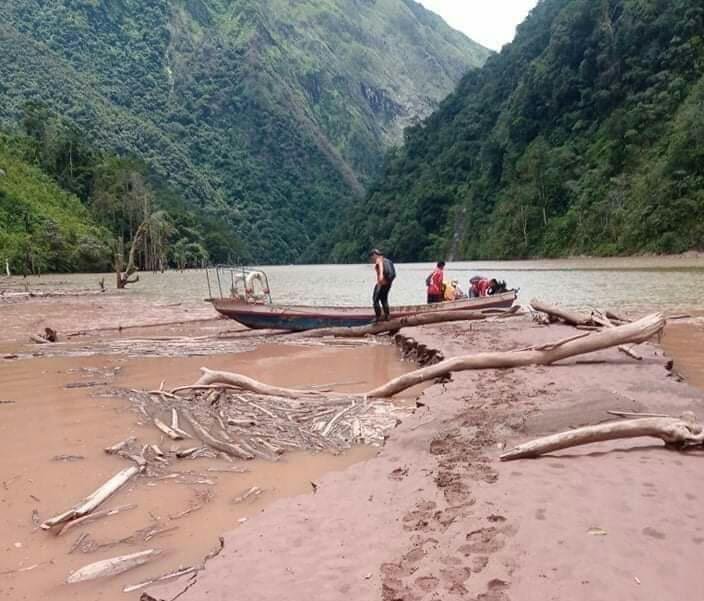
column 251, row 309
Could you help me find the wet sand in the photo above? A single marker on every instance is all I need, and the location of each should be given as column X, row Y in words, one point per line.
column 433, row 516
column 61, row 405
column 437, row 516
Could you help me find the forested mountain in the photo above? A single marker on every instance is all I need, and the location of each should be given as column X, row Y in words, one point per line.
column 67, row 206
column 585, row 135
column 31, row 202
column 268, row 116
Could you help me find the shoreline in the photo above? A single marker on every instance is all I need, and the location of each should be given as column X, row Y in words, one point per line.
column 691, row 255
column 436, row 516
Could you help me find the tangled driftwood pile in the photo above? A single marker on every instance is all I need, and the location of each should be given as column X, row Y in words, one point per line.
column 245, row 425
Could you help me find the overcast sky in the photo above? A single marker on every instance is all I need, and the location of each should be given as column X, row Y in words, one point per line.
column 489, row 22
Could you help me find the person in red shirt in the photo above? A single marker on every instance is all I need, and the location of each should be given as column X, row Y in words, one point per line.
column 479, row 286
column 435, row 283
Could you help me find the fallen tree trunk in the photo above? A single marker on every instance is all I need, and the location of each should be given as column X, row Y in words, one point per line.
column 94, row 499
column 396, row 324
column 210, row 377
column 112, row 566
column 638, row 331
column 673, row 431
column 604, row 320
column 574, row 319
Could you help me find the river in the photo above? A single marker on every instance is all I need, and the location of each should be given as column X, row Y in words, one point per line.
column 45, row 408
column 636, row 284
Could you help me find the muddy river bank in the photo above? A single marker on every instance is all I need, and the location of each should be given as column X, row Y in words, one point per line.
column 58, row 411
column 436, row 515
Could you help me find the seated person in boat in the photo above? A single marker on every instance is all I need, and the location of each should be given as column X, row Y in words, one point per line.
column 478, row 286
column 496, row 287
column 453, row 291
column 435, row 283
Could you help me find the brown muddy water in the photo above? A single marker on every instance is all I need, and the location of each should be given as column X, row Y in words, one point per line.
column 45, row 419
column 685, row 344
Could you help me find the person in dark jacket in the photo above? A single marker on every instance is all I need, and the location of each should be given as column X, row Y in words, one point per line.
column 385, row 276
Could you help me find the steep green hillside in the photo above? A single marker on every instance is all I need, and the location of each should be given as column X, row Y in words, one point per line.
column 273, row 111
column 42, row 227
column 585, row 135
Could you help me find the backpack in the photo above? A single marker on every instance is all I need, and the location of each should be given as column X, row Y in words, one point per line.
column 389, row 270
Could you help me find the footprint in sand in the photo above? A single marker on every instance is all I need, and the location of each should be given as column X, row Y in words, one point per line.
column 496, row 518
column 427, row 583
column 654, row 533
column 394, row 571
column 399, row 473
column 540, row 514
column 495, row 591
column 479, row 562
column 483, row 541
column 454, row 578
column 414, row 556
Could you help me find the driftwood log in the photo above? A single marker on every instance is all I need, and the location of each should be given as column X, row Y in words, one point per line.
column 210, row 378
column 399, row 323
column 93, row 500
column 635, row 332
column 569, row 317
column 681, row 432
column 219, row 445
column 638, row 331
column 112, row 566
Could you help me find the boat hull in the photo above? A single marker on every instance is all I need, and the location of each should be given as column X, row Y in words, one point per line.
column 300, row 318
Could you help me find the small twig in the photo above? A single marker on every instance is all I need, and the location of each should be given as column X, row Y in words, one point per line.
column 635, row 414
column 193, row 509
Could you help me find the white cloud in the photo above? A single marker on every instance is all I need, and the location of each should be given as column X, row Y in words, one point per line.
column 489, row 22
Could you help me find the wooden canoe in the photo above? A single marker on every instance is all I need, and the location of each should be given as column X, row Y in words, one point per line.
column 299, row 318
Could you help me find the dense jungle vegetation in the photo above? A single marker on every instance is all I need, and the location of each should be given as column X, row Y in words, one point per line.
column 253, row 123
column 583, row 136
column 66, row 206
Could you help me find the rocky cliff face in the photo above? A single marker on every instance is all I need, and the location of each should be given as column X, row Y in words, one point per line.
column 583, row 136
column 274, row 111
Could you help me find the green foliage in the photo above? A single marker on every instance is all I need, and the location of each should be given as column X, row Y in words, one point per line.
column 68, row 207
column 42, row 227
column 585, row 135
column 266, row 116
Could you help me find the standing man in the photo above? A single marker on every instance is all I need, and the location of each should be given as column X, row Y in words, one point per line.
column 385, row 275
column 435, row 282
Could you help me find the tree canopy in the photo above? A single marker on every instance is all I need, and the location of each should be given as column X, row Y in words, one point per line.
column 583, row 136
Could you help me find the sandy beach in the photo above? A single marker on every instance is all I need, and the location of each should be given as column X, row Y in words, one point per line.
column 436, row 516
column 433, row 514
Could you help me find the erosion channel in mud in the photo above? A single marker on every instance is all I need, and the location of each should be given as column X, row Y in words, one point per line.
column 57, row 415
